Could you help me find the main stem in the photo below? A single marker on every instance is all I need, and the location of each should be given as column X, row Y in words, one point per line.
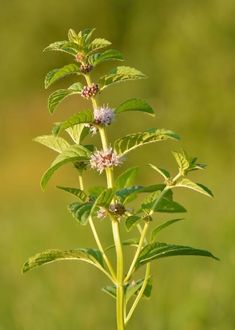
column 116, row 234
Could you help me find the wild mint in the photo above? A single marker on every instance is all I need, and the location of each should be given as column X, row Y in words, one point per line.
column 114, row 202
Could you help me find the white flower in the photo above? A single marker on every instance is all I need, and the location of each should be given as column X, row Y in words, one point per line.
column 103, row 116
column 102, row 159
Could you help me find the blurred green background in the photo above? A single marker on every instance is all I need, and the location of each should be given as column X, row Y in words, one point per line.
column 187, row 48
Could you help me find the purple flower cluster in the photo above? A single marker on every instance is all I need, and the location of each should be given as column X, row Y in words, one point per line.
column 85, row 68
column 101, row 159
column 89, row 91
column 103, row 116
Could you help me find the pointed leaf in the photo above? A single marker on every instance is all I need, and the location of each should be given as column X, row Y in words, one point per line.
column 104, row 199
column 135, row 105
column 80, row 211
column 132, row 141
column 98, row 43
column 108, row 55
column 72, row 154
column 64, row 46
column 165, row 204
column 53, row 142
column 161, row 250
column 162, row 226
column 126, row 178
column 57, row 74
column 58, row 96
column 76, row 192
column 78, row 132
column 166, row 175
column 78, row 118
column 186, row 183
column 91, row 256
column 132, row 221
column 120, row 74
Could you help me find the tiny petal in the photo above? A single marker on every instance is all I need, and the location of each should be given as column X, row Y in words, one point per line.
column 103, row 116
column 102, row 159
column 101, row 213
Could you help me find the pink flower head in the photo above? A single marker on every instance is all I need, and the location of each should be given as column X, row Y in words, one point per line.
column 101, row 159
column 103, row 116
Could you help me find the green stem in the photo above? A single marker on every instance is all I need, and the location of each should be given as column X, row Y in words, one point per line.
column 139, row 296
column 97, row 240
column 115, row 229
column 141, row 241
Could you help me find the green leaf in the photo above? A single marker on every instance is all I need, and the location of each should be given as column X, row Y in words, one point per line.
column 162, row 226
column 76, row 192
column 91, row 256
column 154, row 251
column 130, row 289
column 80, row 211
column 128, row 194
column 132, row 141
column 58, row 96
column 83, row 117
column 53, row 142
column 186, row 183
column 126, row 178
column 78, row 132
column 182, row 160
column 97, row 44
column 64, row 46
column 128, row 242
column 135, row 105
column 57, row 74
column 165, row 204
column 108, row 55
column 135, row 286
column 166, row 175
column 120, row 74
column 72, row 154
column 104, row 199
column 132, row 221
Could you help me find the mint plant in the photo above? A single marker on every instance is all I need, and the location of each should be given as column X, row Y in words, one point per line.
column 114, row 203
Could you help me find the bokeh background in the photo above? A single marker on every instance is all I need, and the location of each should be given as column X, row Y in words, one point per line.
column 187, row 48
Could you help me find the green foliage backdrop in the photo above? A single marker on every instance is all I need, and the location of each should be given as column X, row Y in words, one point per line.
column 187, row 49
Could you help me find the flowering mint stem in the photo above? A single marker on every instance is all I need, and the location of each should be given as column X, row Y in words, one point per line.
column 115, row 228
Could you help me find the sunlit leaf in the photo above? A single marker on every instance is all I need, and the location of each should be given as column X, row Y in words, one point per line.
column 97, row 44
column 63, row 46
column 58, row 96
column 91, row 256
column 57, row 74
column 72, row 154
column 161, row 171
column 53, row 142
column 132, row 141
column 162, row 250
column 186, row 183
column 135, row 105
column 108, row 55
column 120, row 74
column 83, row 117
column 132, row 221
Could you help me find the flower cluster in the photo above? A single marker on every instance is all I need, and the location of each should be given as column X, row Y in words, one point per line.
column 79, row 57
column 103, row 116
column 85, row 68
column 117, row 209
column 101, row 159
column 89, row 91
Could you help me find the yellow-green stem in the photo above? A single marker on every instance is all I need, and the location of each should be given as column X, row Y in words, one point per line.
column 115, row 229
column 141, row 241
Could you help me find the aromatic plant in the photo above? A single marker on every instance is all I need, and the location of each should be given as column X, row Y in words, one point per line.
column 115, row 202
